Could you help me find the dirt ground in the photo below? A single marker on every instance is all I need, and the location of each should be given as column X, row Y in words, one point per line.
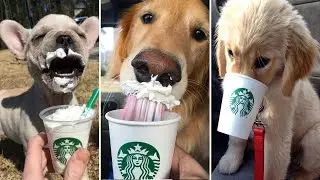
column 14, row 74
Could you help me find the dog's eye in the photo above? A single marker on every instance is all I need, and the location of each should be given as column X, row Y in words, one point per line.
column 83, row 36
column 230, row 53
column 199, row 35
column 39, row 37
column 261, row 62
column 147, row 18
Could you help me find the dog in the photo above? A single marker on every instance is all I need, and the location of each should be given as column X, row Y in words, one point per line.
column 20, row 108
column 269, row 41
column 170, row 39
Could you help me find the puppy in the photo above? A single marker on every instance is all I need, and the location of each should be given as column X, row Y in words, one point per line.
column 57, row 51
column 170, row 39
column 269, row 41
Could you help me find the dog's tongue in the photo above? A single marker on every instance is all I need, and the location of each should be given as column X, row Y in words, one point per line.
column 142, row 110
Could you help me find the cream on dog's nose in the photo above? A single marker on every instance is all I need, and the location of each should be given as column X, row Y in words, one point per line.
column 155, row 63
column 65, row 42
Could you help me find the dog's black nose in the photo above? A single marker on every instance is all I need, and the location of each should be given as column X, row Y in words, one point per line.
column 65, row 42
column 155, row 63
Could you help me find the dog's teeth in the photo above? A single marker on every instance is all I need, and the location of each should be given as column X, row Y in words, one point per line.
column 64, row 74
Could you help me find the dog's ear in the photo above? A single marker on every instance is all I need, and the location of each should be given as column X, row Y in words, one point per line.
column 221, row 57
column 122, row 45
column 15, row 36
column 301, row 55
column 91, row 27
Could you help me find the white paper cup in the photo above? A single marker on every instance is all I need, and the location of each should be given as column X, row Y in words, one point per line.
column 242, row 98
column 142, row 150
column 65, row 137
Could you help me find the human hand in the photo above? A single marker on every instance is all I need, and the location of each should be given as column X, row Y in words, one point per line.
column 38, row 160
column 185, row 167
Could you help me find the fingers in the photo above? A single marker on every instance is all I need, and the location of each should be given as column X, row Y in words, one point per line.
column 185, row 167
column 44, row 164
column 77, row 165
column 49, row 161
column 33, row 168
column 175, row 171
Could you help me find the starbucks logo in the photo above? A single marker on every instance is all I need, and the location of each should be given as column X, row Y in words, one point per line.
column 65, row 147
column 241, row 102
column 138, row 160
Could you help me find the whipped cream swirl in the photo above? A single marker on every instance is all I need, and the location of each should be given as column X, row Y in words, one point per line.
column 153, row 90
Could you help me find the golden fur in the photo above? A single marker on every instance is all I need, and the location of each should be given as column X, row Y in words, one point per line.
column 272, row 29
column 171, row 33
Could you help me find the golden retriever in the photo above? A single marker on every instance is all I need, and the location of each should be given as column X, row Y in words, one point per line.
column 269, row 41
column 173, row 36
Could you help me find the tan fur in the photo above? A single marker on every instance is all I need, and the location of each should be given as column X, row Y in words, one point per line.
column 271, row 28
column 171, row 33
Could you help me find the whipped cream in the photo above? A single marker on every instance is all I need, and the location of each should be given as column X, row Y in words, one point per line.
column 152, row 90
column 72, row 113
column 60, row 53
column 64, row 82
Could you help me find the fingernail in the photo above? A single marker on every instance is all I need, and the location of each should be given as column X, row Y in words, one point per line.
column 83, row 155
column 42, row 133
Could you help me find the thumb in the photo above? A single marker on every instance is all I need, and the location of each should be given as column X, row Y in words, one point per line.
column 77, row 165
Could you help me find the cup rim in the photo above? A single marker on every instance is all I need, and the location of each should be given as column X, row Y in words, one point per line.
column 247, row 77
column 41, row 114
column 142, row 123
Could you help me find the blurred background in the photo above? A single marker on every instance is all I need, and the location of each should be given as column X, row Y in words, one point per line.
column 111, row 95
column 111, row 11
column 28, row 12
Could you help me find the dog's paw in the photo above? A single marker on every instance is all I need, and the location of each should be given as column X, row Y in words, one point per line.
column 229, row 164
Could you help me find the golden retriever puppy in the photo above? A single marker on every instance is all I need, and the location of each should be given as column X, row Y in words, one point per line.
column 269, row 41
column 170, row 38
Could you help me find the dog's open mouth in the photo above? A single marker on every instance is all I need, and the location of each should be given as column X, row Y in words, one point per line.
column 60, row 64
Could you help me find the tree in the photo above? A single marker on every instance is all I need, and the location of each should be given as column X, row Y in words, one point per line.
column 29, row 12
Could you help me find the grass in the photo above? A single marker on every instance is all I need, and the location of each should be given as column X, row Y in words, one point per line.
column 14, row 74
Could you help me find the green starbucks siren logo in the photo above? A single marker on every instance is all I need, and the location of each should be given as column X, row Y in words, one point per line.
column 138, row 160
column 65, row 147
column 241, row 101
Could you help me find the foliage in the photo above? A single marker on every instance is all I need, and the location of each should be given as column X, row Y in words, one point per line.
column 29, row 12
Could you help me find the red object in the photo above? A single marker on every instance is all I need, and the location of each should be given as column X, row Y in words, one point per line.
column 258, row 152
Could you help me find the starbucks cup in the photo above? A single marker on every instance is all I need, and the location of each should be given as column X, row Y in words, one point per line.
column 142, row 150
column 242, row 98
column 65, row 137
